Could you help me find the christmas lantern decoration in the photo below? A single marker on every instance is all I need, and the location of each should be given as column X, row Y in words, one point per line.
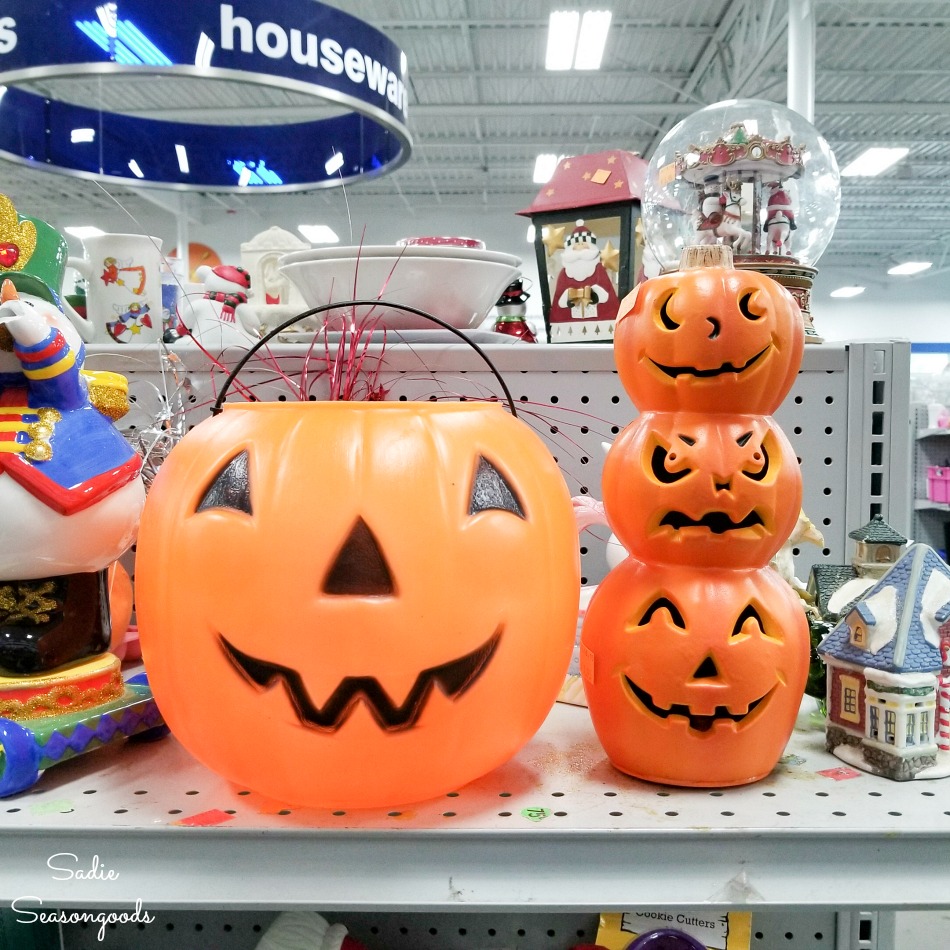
column 694, row 652
column 585, row 220
column 322, row 577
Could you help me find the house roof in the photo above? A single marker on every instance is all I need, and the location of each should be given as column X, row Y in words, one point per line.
column 826, row 579
column 913, row 646
column 584, row 181
column 877, row 531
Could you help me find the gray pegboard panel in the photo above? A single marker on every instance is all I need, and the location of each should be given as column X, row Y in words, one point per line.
column 846, row 416
column 880, row 425
column 172, row 930
column 795, row 930
column 242, row 930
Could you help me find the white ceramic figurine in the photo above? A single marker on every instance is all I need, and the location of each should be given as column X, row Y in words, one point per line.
column 222, row 317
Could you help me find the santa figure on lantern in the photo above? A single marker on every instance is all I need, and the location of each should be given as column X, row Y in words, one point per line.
column 584, row 290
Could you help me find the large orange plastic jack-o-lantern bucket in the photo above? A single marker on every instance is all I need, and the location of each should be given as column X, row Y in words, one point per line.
column 319, row 603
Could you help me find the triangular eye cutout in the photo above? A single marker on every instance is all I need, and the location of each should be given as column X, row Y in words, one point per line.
column 360, row 568
column 230, row 488
column 490, row 490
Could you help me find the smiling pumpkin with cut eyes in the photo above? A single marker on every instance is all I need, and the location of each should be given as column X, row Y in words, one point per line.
column 710, row 339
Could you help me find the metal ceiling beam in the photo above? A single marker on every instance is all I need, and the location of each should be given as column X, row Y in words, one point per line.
column 632, row 110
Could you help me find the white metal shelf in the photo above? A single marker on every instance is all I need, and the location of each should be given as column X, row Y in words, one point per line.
column 180, row 836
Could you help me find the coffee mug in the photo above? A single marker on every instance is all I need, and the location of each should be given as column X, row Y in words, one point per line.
column 123, row 287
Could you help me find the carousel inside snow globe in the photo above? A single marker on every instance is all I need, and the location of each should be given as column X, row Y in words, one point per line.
column 750, row 174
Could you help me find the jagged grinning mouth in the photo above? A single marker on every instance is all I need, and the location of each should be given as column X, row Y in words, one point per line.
column 701, row 723
column 675, row 371
column 718, row 522
column 453, row 679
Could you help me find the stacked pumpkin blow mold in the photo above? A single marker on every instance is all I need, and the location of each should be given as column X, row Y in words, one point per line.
column 694, row 651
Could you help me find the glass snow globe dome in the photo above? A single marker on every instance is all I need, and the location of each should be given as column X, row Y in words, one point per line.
column 748, row 173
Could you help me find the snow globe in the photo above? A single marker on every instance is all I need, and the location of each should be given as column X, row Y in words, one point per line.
column 750, row 174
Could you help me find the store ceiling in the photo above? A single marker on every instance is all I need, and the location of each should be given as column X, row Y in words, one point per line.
column 482, row 106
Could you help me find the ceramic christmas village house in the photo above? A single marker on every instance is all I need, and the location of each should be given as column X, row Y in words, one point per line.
column 833, row 587
column 585, row 221
column 888, row 664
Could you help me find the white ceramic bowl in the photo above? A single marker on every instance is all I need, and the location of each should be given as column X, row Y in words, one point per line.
column 394, row 250
column 460, row 289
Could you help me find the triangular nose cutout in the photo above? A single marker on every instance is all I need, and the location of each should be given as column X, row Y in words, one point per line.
column 706, row 670
column 360, row 568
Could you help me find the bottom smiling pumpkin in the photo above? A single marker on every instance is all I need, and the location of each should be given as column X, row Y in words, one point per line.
column 694, row 676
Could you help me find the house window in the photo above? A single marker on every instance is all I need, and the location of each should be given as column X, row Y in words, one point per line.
column 911, row 733
column 883, row 554
column 859, row 634
column 926, row 734
column 874, row 717
column 890, row 726
column 848, row 709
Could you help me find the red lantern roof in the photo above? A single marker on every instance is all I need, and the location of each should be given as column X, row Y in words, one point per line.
column 583, row 181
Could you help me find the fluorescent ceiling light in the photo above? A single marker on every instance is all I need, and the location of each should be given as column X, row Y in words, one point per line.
column 544, row 166
column 318, row 233
column 83, row 231
column 530, row 234
column 847, row 292
column 576, row 41
column 593, row 37
column 335, row 163
column 82, row 135
column 562, row 39
column 134, row 168
column 182, row 154
column 910, row 267
column 873, row 161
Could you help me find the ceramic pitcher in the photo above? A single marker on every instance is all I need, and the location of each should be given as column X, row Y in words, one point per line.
column 124, row 287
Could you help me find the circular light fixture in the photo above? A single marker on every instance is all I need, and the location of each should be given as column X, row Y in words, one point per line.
column 104, row 92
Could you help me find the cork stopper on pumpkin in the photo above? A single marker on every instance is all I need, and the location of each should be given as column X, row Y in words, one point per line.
column 697, row 256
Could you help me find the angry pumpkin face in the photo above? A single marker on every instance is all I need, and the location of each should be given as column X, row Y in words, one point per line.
column 702, row 489
column 713, row 339
column 694, row 675
column 320, row 607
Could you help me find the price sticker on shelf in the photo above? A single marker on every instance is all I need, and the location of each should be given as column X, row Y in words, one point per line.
column 536, row 813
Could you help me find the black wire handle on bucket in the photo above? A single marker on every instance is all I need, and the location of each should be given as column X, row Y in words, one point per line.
column 218, row 403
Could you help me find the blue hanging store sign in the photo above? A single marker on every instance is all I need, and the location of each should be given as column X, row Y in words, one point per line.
column 349, row 68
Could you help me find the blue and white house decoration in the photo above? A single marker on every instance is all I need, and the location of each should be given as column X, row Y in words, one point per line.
column 888, row 663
